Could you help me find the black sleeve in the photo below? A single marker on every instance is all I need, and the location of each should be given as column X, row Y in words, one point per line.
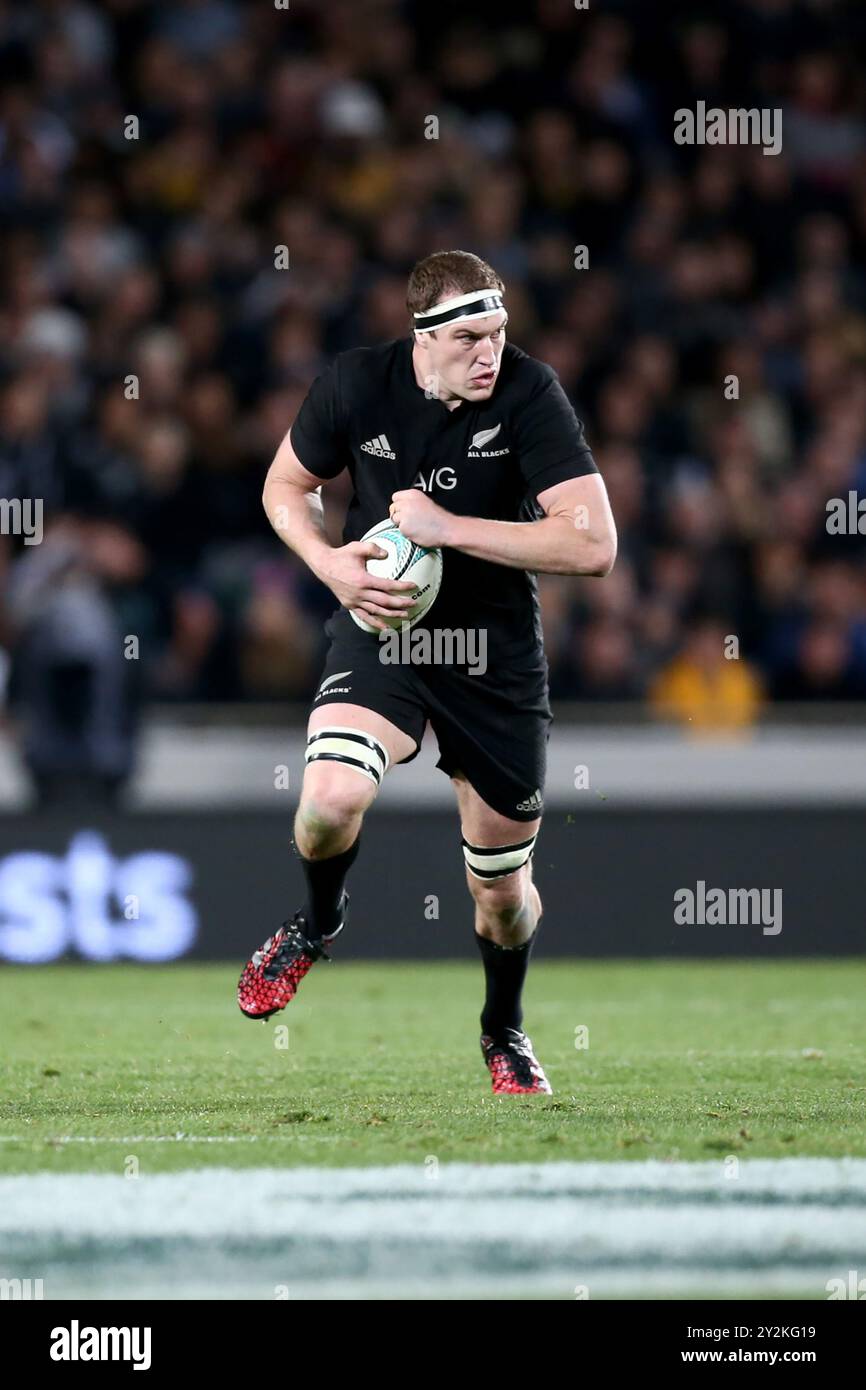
column 318, row 434
column 550, row 441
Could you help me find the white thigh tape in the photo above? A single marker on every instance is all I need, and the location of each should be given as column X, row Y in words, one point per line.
column 503, row 859
column 352, row 747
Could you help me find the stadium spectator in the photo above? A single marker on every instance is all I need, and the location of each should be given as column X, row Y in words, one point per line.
column 705, row 686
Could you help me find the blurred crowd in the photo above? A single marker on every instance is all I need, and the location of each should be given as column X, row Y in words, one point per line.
column 153, row 157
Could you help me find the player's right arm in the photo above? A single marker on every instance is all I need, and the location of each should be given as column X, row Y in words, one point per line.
column 293, row 506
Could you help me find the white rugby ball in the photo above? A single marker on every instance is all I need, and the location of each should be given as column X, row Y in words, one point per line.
column 404, row 560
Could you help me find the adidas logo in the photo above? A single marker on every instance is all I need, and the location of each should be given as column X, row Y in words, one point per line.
column 379, row 447
column 532, row 803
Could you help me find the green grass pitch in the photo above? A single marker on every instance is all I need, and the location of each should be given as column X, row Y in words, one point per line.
column 685, row 1060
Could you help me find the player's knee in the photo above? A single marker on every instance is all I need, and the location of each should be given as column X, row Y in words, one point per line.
column 333, row 798
column 500, row 879
column 345, row 767
column 503, row 900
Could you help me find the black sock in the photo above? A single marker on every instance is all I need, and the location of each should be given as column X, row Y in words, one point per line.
column 504, row 972
column 325, row 879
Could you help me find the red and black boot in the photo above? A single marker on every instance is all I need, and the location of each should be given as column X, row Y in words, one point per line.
column 514, row 1067
column 271, row 977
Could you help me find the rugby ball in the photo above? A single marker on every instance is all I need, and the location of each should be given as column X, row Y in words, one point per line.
column 404, row 560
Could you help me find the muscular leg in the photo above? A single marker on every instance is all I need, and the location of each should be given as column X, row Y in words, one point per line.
column 507, row 910
column 334, row 798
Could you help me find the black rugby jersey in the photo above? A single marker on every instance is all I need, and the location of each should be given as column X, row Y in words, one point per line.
column 491, row 459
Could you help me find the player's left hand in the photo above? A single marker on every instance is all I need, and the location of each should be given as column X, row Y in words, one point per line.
column 420, row 518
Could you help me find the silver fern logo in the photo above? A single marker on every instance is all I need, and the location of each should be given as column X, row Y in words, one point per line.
column 477, row 450
column 485, row 436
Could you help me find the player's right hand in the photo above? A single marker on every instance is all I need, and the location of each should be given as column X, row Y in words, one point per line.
column 371, row 597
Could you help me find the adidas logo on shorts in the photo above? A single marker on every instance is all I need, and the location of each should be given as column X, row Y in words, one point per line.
column 379, row 447
column 532, row 803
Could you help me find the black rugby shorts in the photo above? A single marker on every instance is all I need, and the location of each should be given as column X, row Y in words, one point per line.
column 493, row 727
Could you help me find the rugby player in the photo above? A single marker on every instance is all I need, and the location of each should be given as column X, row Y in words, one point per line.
column 470, row 445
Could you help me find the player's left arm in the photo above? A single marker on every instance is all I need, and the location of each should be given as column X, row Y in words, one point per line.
column 577, row 534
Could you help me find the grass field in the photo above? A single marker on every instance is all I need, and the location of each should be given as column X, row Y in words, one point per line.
column 710, row 1140
column 685, row 1061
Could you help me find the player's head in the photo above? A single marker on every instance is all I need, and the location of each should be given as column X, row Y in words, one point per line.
column 458, row 318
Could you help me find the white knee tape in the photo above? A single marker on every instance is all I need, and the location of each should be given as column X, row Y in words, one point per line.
column 499, row 861
column 352, row 748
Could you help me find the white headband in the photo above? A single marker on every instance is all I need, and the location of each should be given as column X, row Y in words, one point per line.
column 460, row 307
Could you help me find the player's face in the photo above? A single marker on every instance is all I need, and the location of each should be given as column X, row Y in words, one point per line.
column 466, row 357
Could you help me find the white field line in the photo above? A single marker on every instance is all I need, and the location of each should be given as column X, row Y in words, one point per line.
column 460, row 1230
column 773, row 1178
